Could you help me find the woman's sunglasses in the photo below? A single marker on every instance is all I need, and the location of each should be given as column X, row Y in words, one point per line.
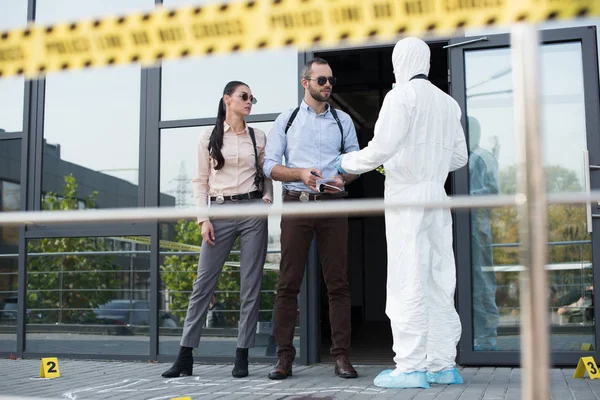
column 244, row 97
column 321, row 80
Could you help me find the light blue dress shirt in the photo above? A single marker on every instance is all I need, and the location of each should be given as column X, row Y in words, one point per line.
column 313, row 141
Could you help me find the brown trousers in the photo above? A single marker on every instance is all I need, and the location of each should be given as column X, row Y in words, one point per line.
column 332, row 243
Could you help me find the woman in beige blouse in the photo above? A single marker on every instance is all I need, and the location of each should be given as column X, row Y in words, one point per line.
column 228, row 171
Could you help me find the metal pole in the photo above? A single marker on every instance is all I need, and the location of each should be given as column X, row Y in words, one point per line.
column 531, row 182
column 345, row 207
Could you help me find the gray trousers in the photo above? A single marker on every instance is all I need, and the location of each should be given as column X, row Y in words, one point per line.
column 253, row 237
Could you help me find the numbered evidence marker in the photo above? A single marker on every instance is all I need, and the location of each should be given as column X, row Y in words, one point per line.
column 587, row 364
column 49, row 368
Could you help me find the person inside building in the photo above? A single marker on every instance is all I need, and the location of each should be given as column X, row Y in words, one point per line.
column 310, row 138
column 419, row 139
column 483, row 180
column 579, row 308
column 228, row 172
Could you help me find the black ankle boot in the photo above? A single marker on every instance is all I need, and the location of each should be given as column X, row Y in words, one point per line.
column 183, row 365
column 240, row 369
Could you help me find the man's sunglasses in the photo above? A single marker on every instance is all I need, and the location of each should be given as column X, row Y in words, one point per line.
column 321, row 80
column 244, row 97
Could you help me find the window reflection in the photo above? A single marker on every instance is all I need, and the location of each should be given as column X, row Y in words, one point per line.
column 93, row 135
column 10, row 191
column 495, row 251
column 10, row 200
column 87, row 293
column 47, row 11
column 177, row 162
column 92, row 121
column 12, row 90
column 191, row 88
column 8, row 298
column 180, row 3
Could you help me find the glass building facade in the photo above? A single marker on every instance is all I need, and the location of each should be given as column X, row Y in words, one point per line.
column 126, row 136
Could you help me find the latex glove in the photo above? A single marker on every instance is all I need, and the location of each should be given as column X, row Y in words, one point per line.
column 338, row 164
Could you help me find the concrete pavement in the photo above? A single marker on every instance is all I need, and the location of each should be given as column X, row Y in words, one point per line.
column 91, row 380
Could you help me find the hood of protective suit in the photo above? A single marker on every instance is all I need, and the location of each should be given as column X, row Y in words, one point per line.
column 410, row 57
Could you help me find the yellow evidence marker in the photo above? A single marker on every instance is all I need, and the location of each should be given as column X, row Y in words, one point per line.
column 587, row 364
column 49, row 368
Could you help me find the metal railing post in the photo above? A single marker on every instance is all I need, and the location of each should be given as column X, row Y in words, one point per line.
column 533, row 213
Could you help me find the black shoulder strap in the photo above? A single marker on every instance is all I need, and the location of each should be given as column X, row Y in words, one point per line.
column 251, row 131
column 339, row 123
column 291, row 120
column 333, row 114
column 258, row 176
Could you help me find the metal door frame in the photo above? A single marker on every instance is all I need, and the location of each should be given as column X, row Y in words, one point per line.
column 462, row 232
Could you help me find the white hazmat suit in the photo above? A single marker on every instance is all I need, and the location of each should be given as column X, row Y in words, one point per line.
column 419, row 140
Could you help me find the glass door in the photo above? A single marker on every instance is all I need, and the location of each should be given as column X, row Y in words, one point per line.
column 488, row 258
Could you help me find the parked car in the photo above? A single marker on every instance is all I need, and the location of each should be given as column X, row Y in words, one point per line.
column 132, row 313
column 8, row 312
column 125, row 316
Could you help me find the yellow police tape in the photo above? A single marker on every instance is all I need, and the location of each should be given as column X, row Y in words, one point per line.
column 251, row 25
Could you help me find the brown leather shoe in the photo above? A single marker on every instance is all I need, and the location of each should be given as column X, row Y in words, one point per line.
column 344, row 369
column 283, row 369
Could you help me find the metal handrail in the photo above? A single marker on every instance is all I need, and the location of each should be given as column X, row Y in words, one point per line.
column 122, row 309
column 563, row 243
column 127, row 290
column 117, row 252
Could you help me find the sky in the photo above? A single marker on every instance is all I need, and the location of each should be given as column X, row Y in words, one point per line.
column 563, row 113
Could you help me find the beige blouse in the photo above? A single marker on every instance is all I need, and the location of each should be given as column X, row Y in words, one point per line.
column 237, row 174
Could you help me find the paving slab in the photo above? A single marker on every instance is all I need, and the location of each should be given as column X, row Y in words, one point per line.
column 95, row 380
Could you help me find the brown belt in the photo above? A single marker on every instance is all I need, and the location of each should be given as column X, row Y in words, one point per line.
column 305, row 197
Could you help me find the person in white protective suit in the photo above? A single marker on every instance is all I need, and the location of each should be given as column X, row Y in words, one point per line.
column 419, row 140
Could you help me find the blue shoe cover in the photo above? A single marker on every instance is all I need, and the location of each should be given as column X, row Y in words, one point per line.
column 402, row 380
column 447, row 377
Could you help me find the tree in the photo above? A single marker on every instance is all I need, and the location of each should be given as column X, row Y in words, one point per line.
column 566, row 223
column 55, row 282
column 566, row 230
column 558, row 179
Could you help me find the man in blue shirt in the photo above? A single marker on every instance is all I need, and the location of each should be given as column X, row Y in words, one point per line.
column 310, row 139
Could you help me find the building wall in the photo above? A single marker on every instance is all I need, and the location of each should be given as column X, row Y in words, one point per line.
column 130, row 135
column 114, row 138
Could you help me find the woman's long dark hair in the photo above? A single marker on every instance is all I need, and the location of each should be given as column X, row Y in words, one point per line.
column 216, row 137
